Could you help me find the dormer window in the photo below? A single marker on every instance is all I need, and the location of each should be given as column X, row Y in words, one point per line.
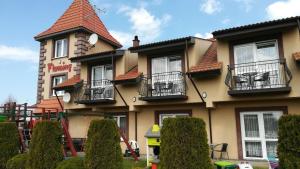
column 61, row 48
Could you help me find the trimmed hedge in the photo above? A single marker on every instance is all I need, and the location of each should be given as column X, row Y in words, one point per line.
column 71, row 163
column 9, row 142
column 45, row 147
column 17, row 162
column 289, row 142
column 103, row 146
column 184, row 144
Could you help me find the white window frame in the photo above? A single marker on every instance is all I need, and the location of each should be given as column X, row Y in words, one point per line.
column 170, row 115
column 261, row 137
column 63, row 48
column 61, row 79
column 254, row 49
column 102, row 84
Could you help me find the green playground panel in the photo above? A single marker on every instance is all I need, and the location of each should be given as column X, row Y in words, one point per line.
column 3, row 118
column 225, row 165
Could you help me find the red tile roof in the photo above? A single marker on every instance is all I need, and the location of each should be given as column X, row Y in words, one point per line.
column 296, row 56
column 132, row 74
column 209, row 60
column 48, row 104
column 70, row 82
column 80, row 14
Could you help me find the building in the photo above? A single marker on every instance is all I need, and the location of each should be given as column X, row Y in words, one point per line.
column 239, row 83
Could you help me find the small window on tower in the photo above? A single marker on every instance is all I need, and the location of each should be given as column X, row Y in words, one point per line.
column 61, row 48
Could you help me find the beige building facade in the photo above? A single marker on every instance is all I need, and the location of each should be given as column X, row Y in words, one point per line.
column 239, row 83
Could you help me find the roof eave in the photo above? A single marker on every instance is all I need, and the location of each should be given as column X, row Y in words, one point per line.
column 226, row 34
column 97, row 56
column 80, row 28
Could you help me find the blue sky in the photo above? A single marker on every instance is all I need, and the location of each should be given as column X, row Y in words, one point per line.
column 152, row 20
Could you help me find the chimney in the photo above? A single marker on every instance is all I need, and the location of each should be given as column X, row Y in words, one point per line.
column 136, row 41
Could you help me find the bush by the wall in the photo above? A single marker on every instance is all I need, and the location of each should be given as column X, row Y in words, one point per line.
column 103, row 146
column 289, row 142
column 45, row 148
column 17, row 162
column 9, row 142
column 72, row 163
column 184, row 144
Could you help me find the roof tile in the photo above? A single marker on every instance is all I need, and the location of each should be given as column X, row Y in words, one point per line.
column 80, row 14
column 296, row 56
column 48, row 104
column 209, row 60
column 70, row 82
column 132, row 74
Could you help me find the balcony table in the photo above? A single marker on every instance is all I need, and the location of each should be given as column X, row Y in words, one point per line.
column 251, row 77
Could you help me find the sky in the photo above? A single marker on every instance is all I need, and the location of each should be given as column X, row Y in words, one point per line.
column 151, row 20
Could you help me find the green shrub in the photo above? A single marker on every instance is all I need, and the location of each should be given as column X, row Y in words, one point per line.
column 9, row 142
column 184, row 144
column 17, row 162
column 45, row 148
column 103, row 146
column 289, row 142
column 72, row 163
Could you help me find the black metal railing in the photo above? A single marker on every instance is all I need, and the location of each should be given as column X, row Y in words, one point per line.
column 258, row 75
column 95, row 90
column 163, row 84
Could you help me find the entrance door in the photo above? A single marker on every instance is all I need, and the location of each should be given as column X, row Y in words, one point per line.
column 101, row 82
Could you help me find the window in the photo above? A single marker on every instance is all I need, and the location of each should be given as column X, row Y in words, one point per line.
column 55, row 81
column 61, row 48
column 166, row 64
column 256, row 52
column 122, row 123
column 259, row 134
column 163, row 116
column 101, row 79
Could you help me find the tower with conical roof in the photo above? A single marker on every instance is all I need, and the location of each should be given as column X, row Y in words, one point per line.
column 67, row 38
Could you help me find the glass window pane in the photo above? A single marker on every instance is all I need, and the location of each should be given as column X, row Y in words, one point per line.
column 159, row 65
column 266, row 51
column 243, row 54
column 123, row 123
column 251, row 125
column 97, row 75
column 271, row 148
column 271, row 125
column 65, row 49
column 253, row 149
column 108, row 72
column 58, row 47
column 174, row 64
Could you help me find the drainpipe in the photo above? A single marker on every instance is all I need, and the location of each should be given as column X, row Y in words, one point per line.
column 198, row 92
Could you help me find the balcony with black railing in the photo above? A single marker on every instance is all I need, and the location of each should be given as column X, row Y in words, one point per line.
column 271, row 76
column 97, row 91
column 158, row 86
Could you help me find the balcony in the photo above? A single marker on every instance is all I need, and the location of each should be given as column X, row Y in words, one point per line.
column 98, row 91
column 160, row 86
column 271, row 76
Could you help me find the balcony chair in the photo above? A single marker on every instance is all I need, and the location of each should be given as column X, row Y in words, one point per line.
column 97, row 92
column 264, row 79
column 238, row 80
column 222, row 151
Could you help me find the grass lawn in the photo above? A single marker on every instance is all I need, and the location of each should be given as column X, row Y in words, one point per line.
column 131, row 164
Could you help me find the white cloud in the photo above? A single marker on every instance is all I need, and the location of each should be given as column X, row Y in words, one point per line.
column 124, row 38
column 282, row 9
column 210, row 6
column 247, row 4
column 204, row 36
column 144, row 24
column 226, row 21
column 18, row 54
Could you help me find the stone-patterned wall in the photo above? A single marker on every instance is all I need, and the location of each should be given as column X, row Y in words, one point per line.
column 82, row 47
column 41, row 73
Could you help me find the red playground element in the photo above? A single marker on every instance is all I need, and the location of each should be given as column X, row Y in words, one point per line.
column 68, row 142
column 128, row 146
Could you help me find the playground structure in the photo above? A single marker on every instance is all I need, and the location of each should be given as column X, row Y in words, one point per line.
column 26, row 117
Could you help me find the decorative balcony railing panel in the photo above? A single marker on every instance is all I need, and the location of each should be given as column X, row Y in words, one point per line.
column 169, row 84
column 95, row 91
column 258, row 76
